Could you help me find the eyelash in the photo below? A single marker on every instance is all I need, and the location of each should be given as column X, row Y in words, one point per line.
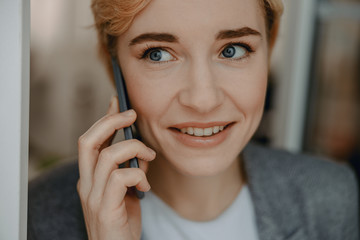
column 249, row 49
column 145, row 52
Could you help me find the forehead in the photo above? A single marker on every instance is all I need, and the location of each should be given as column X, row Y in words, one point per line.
column 192, row 18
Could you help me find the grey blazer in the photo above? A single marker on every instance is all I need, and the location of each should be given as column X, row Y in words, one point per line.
column 296, row 197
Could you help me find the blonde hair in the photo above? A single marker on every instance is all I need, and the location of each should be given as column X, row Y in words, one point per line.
column 114, row 17
column 273, row 10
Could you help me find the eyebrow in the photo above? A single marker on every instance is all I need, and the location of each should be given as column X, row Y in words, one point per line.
column 241, row 32
column 158, row 37
column 167, row 37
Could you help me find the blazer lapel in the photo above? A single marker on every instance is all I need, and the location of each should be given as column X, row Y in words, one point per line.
column 276, row 200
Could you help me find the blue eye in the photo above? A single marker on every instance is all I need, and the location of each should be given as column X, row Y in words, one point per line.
column 159, row 55
column 234, row 52
column 155, row 55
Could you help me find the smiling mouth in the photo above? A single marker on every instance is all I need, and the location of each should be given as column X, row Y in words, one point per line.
column 202, row 132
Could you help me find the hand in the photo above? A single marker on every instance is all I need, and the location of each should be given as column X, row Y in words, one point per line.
column 110, row 210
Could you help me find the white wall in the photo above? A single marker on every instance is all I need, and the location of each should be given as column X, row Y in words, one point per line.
column 14, row 101
column 292, row 59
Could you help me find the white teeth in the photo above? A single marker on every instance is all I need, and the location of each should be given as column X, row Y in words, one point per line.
column 199, row 132
column 190, row 130
column 208, row 131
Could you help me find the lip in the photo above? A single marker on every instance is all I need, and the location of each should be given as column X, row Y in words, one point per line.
column 205, row 141
column 200, row 125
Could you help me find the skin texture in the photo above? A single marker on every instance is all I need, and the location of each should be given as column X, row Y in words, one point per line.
column 195, row 84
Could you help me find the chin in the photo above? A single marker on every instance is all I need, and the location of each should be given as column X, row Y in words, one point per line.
column 202, row 166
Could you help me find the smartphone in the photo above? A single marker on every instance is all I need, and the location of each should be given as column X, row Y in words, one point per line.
column 124, row 105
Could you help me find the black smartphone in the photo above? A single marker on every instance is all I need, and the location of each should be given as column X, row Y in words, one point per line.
column 124, row 105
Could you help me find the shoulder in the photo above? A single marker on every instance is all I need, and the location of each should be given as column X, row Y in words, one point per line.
column 305, row 170
column 324, row 190
column 54, row 208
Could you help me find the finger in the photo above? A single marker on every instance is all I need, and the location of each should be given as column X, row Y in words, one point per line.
column 90, row 143
column 107, row 125
column 119, row 181
column 143, row 165
column 110, row 158
column 113, row 106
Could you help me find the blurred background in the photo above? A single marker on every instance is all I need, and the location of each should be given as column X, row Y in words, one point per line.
column 313, row 101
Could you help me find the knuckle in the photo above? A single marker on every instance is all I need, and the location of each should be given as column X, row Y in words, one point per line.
column 140, row 144
column 105, row 155
column 80, row 191
column 121, row 176
column 83, row 142
column 117, row 176
column 78, row 186
column 137, row 146
column 139, row 174
column 108, row 118
column 93, row 203
column 133, row 142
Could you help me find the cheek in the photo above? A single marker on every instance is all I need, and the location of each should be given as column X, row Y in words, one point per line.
column 248, row 92
column 148, row 97
column 252, row 96
column 143, row 98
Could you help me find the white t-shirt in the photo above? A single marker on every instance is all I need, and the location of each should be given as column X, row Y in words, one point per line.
column 160, row 221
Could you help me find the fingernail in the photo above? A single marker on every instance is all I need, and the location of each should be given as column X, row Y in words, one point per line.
column 148, row 188
column 129, row 113
column 152, row 151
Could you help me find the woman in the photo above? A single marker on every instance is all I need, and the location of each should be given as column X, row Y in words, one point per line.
column 196, row 75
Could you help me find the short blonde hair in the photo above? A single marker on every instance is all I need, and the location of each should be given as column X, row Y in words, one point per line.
column 114, row 17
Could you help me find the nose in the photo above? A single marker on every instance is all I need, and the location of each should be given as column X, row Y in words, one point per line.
column 202, row 92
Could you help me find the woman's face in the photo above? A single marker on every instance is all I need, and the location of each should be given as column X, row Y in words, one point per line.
column 191, row 69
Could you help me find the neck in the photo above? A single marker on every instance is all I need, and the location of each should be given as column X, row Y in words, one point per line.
column 192, row 197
